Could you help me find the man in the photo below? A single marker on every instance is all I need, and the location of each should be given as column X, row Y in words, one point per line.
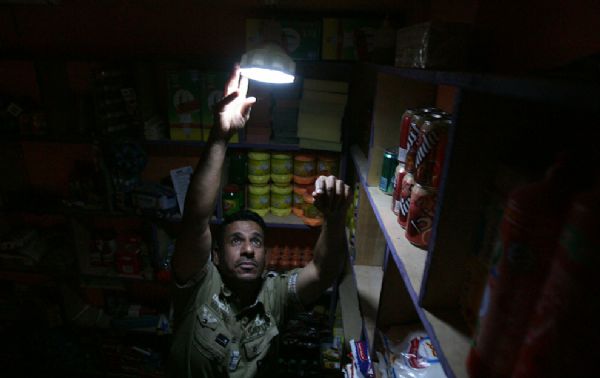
column 227, row 313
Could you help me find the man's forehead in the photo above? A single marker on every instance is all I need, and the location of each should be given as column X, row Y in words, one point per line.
column 243, row 227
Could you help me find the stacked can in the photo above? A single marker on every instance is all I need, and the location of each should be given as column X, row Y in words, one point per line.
column 411, row 123
column 401, row 167
column 426, row 148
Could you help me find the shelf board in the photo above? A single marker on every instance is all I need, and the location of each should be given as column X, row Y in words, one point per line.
column 450, row 342
column 552, row 90
column 368, row 285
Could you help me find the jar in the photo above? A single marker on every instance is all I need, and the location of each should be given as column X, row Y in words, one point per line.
column 305, row 169
column 259, row 167
column 312, row 216
column 233, row 199
column 327, row 165
column 258, row 198
column 298, row 199
column 238, row 167
column 281, row 200
column 281, row 167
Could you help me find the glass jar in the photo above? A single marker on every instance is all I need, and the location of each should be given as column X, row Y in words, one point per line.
column 305, row 169
column 233, row 199
column 281, row 200
column 312, row 215
column 298, row 199
column 327, row 165
column 281, row 168
column 259, row 167
column 259, row 199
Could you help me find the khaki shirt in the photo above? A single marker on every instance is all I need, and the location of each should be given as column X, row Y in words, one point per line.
column 214, row 337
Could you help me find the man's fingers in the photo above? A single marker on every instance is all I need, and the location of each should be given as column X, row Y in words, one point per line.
column 233, row 83
column 247, row 106
column 243, row 86
column 219, row 106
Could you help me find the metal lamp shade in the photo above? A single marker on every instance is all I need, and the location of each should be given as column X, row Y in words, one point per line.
column 268, row 64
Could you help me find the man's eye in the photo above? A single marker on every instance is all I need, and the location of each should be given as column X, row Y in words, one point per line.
column 257, row 242
column 236, row 241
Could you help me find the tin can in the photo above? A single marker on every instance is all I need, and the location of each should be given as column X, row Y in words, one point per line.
column 412, row 144
column 259, row 167
column 259, row 199
column 388, row 166
column 281, row 168
column 566, row 309
column 399, row 176
column 421, row 215
column 327, row 165
column 431, row 150
column 404, row 129
column 405, row 192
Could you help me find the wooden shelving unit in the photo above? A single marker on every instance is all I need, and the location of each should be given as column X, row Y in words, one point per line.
column 498, row 121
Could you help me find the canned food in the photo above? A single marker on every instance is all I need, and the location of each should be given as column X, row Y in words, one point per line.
column 420, row 215
column 388, row 167
column 431, row 150
column 259, row 167
column 404, row 129
column 408, row 181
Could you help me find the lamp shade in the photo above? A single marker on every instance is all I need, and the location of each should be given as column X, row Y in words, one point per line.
column 269, row 64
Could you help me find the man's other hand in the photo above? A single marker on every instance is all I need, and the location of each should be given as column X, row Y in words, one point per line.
column 332, row 197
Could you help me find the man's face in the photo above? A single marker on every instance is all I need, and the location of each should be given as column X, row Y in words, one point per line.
column 243, row 254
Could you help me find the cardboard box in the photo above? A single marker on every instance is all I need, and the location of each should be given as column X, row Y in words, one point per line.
column 300, row 38
column 185, row 105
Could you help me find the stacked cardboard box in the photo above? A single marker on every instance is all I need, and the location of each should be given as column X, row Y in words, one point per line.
column 321, row 113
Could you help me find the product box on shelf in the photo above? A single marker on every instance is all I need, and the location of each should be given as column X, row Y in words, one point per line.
column 349, row 38
column 433, row 45
column 185, row 104
column 301, row 39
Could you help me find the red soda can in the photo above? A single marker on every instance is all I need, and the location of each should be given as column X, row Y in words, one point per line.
column 529, row 230
column 413, row 139
column 401, row 171
column 429, row 160
column 566, row 309
column 404, row 130
column 408, row 181
column 421, row 215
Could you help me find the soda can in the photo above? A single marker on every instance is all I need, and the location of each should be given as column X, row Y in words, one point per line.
column 566, row 309
column 420, row 215
column 404, row 130
column 408, row 181
column 431, row 150
column 388, row 167
column 413, row 139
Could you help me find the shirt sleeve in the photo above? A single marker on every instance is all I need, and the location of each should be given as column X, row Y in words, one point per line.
column 184, row 294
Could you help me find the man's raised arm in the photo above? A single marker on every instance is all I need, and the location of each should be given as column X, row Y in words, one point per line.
column 194, row 241
column 332, row 198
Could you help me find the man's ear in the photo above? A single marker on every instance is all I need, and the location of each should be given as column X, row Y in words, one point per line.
column 215, row 255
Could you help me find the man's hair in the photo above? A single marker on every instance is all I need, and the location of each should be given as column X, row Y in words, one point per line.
column 241, row 215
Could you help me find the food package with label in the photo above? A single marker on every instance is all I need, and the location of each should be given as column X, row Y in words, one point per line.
column 433, row 45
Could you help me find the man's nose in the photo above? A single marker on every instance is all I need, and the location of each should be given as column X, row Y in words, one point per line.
column 247, row 248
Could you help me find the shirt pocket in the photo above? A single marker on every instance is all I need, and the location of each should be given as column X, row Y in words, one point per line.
column 259, row 345
column 211, row 337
